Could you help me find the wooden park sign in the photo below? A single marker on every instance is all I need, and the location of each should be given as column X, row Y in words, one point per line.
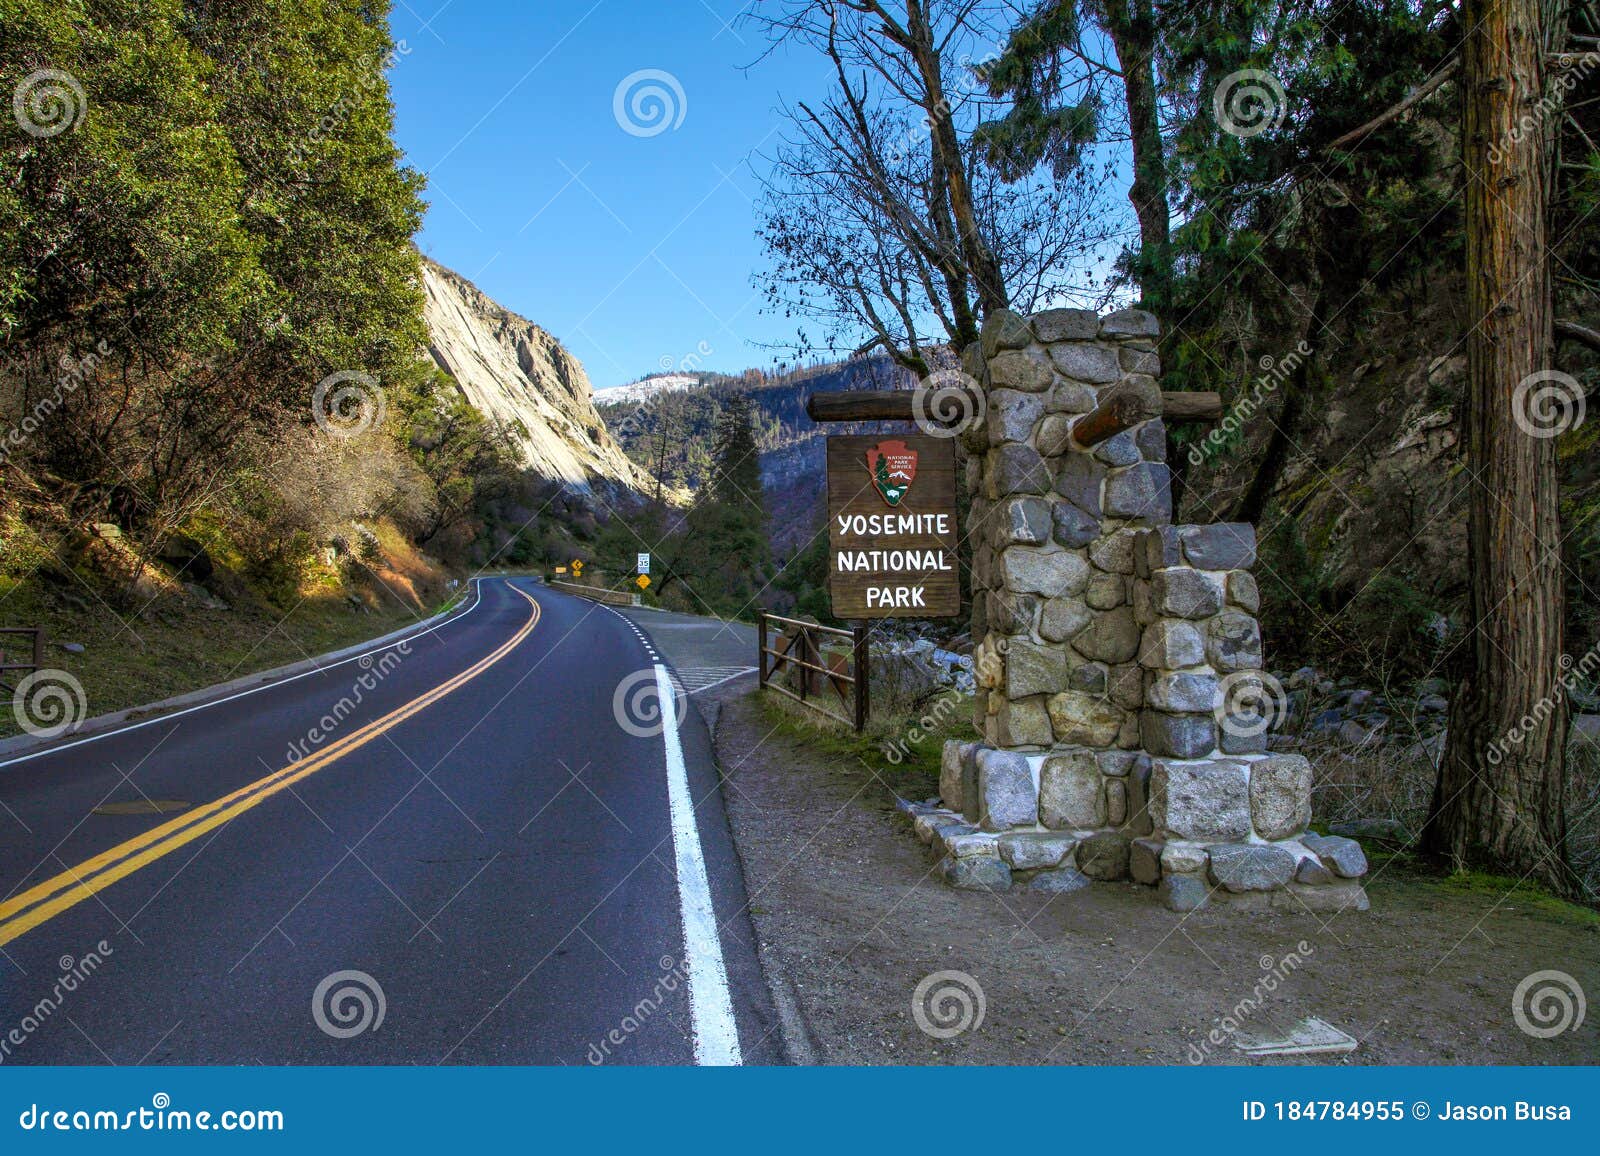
column 892, row 527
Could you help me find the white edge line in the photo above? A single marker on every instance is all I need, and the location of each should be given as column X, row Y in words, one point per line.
column 273, row 685
column 716, row 1033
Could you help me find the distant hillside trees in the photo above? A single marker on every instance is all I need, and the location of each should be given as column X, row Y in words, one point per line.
column 672, row 434
column 724, row 552
column 737, row 479
column 716, row 556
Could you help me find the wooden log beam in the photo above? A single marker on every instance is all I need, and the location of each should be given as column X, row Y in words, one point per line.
column 1119, row 410
column 1180, row 406
column 896, row 405
column 861, row 405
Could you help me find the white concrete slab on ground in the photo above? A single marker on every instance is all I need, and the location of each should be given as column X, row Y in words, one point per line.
column 1308, row 1037
column 698, row 678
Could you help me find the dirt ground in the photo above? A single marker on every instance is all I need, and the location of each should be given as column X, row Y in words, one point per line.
column 852, row 916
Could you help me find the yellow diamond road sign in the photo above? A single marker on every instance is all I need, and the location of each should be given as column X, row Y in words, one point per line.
column 643, row 580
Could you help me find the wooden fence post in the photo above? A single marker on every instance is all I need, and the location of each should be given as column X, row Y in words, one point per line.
column 761, row 653
column 863, row 677
column 803, row 641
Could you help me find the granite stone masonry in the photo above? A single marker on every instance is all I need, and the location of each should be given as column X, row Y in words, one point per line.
column 1121, row 705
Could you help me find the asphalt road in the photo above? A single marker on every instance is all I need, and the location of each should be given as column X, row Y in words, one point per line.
column 476, row 834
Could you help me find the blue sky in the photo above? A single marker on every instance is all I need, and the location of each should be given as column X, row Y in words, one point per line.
column 635, row 249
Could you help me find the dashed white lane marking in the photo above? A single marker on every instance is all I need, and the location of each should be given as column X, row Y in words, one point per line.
column 716, row 1033
column 691, row 680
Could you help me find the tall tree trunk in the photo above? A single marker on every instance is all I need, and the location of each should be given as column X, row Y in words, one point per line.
column 1132, row 26
column 964, row 320
column 1133, row 34
column 1499, row 797
column 946, row 144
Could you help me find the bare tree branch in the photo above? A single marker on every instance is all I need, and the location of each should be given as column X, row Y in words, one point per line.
column 1582, row 334
column 1418, row 94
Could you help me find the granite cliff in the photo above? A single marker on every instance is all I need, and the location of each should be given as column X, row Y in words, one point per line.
column 522, row 378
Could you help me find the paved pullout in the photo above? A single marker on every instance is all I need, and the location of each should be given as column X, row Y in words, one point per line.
column 703, row 652
column 475, row 831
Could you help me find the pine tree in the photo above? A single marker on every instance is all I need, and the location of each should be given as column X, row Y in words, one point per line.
column 736, row 480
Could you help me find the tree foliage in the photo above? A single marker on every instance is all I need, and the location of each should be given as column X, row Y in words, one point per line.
column 219, row 215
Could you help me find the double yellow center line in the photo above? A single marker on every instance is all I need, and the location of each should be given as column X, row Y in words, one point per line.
column 22, row 913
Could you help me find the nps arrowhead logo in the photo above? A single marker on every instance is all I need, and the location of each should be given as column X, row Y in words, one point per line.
column 893, row 467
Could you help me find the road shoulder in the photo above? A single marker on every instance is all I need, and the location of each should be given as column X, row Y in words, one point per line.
column 848, row 906
column 25, row 746
column 703, row 656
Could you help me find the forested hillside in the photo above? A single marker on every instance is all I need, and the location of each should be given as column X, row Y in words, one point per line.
column 670, row 434
column 217, row 406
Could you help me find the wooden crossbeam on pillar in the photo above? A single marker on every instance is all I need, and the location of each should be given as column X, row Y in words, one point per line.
column 897, row 405
column 1119, row 410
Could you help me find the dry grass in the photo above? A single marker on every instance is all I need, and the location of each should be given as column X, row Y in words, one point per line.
column 901, row 752
column 170, row 645
column 1394, row 782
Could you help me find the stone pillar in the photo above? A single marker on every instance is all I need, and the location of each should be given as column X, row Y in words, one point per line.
column 1120, row 705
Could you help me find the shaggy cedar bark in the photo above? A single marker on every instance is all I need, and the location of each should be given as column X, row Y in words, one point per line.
column 1499, row 801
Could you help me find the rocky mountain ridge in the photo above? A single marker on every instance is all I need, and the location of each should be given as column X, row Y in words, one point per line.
column 793, row 447
column 520, row 377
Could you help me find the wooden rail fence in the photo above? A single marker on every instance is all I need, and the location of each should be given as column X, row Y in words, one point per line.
column 797, row 646
column 8, row 664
